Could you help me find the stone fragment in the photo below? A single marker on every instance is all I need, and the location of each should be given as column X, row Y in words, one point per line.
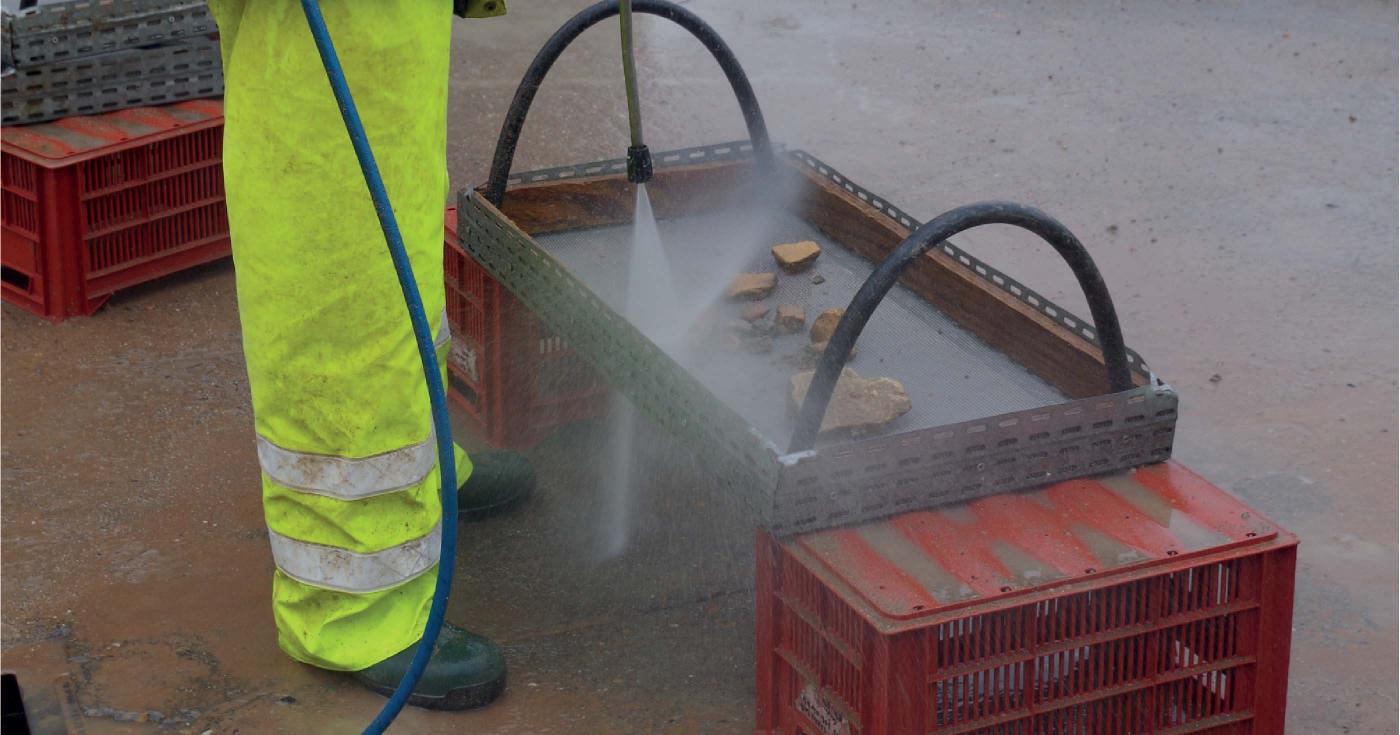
column 754, row 312
column 752, row 286
column 858, row 405
column 825, row 324
column 790, row 318
column 818, row 279
column 795, row 257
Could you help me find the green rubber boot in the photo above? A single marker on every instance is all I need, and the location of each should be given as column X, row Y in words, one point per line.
column 466, row 671
column 499, row 482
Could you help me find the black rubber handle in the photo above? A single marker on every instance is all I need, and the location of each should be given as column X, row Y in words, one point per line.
column 587, row 18
column 940, row 228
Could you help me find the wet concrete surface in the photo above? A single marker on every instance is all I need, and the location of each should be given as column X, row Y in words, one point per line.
column 1230, row 166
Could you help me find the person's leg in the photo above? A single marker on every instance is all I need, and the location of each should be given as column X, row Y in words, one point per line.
column 343, row 426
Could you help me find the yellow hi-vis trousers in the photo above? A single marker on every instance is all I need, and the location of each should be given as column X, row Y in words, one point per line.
column 344, row 430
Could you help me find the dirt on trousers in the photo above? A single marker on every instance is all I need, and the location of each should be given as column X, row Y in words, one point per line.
column 1230, row 167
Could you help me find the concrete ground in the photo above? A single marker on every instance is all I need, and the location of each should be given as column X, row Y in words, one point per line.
column 1230, row 165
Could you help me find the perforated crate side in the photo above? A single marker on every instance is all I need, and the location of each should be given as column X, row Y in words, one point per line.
column 516, row 380
column 563, row 388
column 21, row 272
column 154, row 247
column 163, row 196
column 164, row 156
column 21, row 259
column 41, row 239
column 75, row 233
column 1201, row 648
column 1136, row 636
column 471, row 295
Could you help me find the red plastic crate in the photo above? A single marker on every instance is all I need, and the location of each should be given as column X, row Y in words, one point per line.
column 95, row 204
column 516, row 380
column 1147, row 602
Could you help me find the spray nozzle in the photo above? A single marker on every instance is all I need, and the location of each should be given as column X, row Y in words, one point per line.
column 638, row 164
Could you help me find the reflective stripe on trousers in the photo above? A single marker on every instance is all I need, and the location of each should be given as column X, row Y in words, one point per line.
column 348, row 479
column 346, row 571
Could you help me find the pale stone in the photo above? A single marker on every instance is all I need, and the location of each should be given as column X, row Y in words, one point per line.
column 825, row 324
column 754, row 312
column 858, row 405
column 791, row 318
column 795, row 257
column 752, row 286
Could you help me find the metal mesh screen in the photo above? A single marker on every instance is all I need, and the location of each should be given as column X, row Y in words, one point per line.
column 950, row 374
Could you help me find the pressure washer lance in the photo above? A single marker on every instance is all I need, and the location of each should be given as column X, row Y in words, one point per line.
column 638, row 157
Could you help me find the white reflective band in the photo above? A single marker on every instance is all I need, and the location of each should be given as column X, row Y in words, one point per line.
column 346, row 478
column 347, row 571
column 444, row 334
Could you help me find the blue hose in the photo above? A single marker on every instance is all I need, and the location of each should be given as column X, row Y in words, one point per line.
column 422, row 333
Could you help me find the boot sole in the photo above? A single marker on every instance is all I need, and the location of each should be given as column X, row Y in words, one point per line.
column 474, row 696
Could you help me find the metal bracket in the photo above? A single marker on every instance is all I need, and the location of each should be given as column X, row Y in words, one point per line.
column 836, row 485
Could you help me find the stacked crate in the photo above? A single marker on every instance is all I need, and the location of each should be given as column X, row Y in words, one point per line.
column 95, row 204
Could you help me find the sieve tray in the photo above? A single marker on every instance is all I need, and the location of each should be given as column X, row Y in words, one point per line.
column 1007, row 387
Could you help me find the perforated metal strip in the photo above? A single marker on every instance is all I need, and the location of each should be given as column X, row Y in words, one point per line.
column 145, row 92
column 112, row 81
column 7, row 34
column 68, row 30
column 735, row 151
column 891, row 474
